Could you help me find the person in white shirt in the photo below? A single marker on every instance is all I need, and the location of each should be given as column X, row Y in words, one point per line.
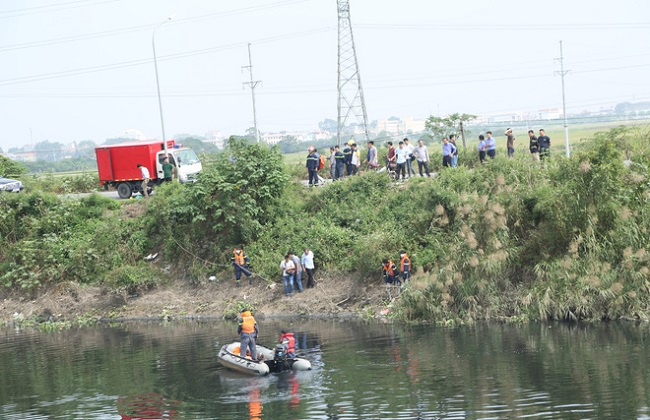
column 423, row 158
column 307, row 261
column 402, row 156
column 356, row 160
column 409, row 162
column 288, row 270
column 145, row 179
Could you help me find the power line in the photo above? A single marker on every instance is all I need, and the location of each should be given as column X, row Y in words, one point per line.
column 508, row 27
column 43, row 7
column 129, row 29
column 138, row 62
column 58, row 9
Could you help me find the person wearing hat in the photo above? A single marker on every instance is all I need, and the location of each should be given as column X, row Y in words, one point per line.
column 510, row 142
column 247, row 331
column 145, row 179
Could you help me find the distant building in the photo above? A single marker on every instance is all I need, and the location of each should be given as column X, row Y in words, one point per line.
column 391, row 125
column 413, row 125
column 24, row 156
column 133, row 133
column 275, row 138
column 215, row 137
column 549, row 114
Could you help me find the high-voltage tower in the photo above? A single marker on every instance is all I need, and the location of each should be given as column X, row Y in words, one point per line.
column 351, row 105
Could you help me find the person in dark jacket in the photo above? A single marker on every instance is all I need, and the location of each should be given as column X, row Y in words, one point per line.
column 348, row 157
column 544, row 145
column 533, row 146
column 340, row 162
column 313, row 160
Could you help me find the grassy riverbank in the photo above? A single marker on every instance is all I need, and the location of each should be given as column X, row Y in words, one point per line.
column 561, row 239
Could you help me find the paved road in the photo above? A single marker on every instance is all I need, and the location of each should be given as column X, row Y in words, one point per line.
column 108, row 194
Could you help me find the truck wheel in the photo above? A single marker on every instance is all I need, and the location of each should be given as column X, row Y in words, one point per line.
column 124, row 190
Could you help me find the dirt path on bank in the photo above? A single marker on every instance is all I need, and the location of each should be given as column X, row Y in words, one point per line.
column 180, row 299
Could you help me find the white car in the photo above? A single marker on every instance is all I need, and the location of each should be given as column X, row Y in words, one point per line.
column 10, row 185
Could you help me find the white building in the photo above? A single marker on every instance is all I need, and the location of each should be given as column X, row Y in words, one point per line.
column 215, row 137
column 133, row 133
column 549, row 114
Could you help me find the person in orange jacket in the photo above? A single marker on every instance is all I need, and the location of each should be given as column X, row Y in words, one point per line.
column 389, row 268
column 248, row 332
column 405, row 265
column 239, row 261
column 289, row 341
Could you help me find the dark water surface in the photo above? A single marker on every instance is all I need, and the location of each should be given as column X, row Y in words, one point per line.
column 361, row 371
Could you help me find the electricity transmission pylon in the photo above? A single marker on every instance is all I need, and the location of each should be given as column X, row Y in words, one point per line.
column 351, row 105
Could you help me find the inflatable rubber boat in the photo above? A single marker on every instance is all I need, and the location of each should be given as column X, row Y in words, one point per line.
column 270, row 361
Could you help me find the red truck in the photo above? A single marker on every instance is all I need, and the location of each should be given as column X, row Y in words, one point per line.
column 118, row 164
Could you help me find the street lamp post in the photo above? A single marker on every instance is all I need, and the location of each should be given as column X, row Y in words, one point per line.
column 155, row 65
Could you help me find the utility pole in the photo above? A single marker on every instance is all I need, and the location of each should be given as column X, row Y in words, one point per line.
column 253, row 84
column 462, row 135
column 562, row 73
column 350, row 93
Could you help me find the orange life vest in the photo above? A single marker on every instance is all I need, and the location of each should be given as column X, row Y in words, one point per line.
column 290, row 342
column 239, row 259
column 404, row 259
column 388, row 268
column 247, row 323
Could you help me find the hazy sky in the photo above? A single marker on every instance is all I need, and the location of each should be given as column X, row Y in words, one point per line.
column 83, row 69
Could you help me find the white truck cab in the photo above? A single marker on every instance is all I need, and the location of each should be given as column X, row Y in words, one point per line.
column 185, row 162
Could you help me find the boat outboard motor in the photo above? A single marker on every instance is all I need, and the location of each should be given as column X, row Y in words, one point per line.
column 280, row 353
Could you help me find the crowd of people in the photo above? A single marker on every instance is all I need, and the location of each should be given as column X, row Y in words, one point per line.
column 347, row 162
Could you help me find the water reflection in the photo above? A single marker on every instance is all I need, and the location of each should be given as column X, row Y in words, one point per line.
column 147, row 406
column 360, row 370
column 254, row 404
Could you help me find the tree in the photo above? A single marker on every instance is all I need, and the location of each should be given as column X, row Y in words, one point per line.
column 441, row 126
column 289, row 144
column 328, row 125
column 46, row 150
column 236, row 195
column 199, row 146
column 86, row 149
column 9, row 167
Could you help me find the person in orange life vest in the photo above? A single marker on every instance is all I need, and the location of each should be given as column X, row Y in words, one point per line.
column 404, row 265
column 247, row 330
column 240, row 260
column 289, row 341
column 389, row 271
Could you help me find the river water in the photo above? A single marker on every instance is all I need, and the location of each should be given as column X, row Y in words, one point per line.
column 360, row 371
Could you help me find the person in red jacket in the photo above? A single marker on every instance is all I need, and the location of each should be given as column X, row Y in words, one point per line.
column 289, row 341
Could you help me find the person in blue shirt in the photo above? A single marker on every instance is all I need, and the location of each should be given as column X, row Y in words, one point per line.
column 491, row 144
column 448, row 152
column 482, row 146
column 401, row 154
column 454, row 159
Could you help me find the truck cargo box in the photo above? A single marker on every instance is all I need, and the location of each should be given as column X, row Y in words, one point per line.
column 119, row 162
